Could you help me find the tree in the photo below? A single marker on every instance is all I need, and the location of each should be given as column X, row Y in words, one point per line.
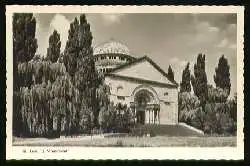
column 199, row 81
column 79, row 63
column 222, row 75
column 170, row 73
column 53, row 52
column 185, row 85
column 24, row 48
column 216, row 95
column 87, row 75
column 188, row 105
column 24, row 42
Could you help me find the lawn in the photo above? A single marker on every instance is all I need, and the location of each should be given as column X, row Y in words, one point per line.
column 158, row 141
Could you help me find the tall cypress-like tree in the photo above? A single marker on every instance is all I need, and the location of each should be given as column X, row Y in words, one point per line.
column 199, row 80
column 24, row 42
column 170, row 73
column 222, row 75
column 53, row 52
column 87, row 74
column 24, row 49
column 70, row 57
column 185, row 85
column 79, row 62
column 71, row 52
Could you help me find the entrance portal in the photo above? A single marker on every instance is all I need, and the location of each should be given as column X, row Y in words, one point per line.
column 146, row 108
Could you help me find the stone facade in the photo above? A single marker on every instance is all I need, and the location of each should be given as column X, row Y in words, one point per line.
column 139, row 83
column 127, row 82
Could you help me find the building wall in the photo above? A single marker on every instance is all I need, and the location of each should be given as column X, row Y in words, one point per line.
column 143, row 70
column 123, row 91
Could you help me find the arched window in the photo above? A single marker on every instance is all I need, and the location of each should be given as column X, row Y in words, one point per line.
column 119, row 91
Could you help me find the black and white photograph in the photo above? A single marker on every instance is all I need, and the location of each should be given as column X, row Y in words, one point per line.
column 125, row 79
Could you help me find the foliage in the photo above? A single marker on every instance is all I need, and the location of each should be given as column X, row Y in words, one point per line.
column 41, row 104
column 232, row 105
column 215, row 120
column 217, row 95
column 79, row 63
column 185, row 85
column 24, row 41
column 78, row 46
column 188, row 104
column 199, row 80
column 36, row 72
column 24, row 48
column 62, row 88
column 170, row 73
column 222, row 75
column 117, row 118
column 53, row 52
column 217, row 117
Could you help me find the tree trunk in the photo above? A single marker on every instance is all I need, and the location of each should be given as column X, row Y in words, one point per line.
column 50, row 126
column 58, row 125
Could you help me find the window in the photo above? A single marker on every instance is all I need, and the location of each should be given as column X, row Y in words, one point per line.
column 119, row 90
column 120, row 97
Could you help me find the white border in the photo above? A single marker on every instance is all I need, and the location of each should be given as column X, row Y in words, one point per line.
column 15, row 152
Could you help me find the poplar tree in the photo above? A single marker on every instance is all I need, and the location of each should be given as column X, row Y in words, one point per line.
column 199, row 80
column 222, row 75
column 24, row 43
column 200, row 87
column 53, row 51
column 79, row 63
column 185, row 85
column 170, row 73
column 24, row 49
column 71, row 52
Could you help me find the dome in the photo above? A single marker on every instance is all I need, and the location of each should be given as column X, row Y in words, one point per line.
column 112, row 48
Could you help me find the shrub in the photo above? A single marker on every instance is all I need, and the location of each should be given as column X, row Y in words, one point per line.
column 217, row 95
column 215, row 120
column 188, row 104
column 118, row 118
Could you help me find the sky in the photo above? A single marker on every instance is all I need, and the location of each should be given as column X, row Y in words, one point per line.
column 168, row 39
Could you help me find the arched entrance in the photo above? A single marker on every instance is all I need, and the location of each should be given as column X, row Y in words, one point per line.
column 146, row 106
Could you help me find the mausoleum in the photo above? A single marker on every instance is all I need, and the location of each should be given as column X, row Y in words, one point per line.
column 138, row 82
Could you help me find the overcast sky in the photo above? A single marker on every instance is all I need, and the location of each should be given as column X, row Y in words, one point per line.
column 168, row 39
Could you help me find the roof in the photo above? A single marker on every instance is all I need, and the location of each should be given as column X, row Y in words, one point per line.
column 112, row 47
column 144, row 58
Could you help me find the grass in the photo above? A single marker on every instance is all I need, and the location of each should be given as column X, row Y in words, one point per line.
column 158, row 141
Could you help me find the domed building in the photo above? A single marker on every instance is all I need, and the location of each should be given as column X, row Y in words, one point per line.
column 110, row 55
column 139, row 83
